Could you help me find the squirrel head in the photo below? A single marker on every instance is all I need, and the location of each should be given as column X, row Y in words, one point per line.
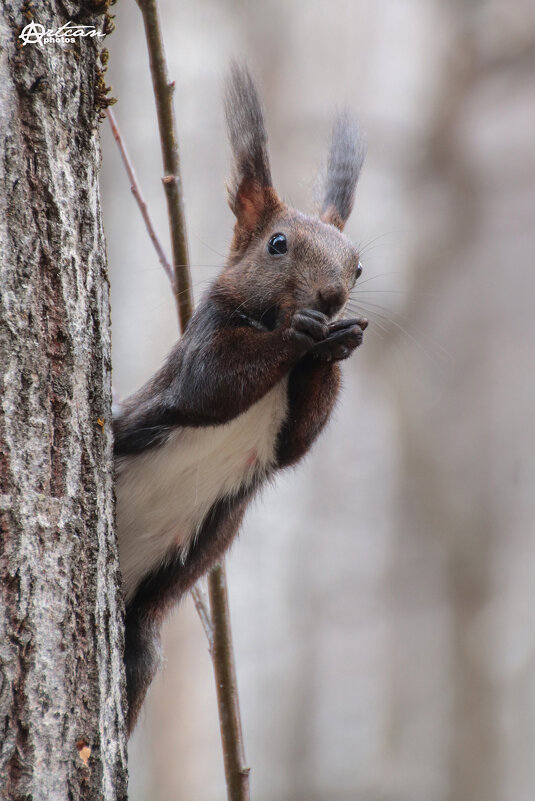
column 280, row 259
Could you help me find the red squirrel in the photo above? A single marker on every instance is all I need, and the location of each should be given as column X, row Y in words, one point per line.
column 247, row 388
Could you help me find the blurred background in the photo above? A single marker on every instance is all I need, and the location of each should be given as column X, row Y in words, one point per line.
column 382, row 594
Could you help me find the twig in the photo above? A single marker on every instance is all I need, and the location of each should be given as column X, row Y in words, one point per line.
column 217, row 622
column 236, row 772
column 204, row 614
column 136, row 191
column 163, row 93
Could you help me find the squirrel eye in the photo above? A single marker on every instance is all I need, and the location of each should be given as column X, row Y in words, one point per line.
column 358, row 272
column 277, row 245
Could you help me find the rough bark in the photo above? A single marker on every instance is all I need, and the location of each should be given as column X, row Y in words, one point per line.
column 61, row 676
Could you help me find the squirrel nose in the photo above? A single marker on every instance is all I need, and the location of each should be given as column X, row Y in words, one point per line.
column 331, row 299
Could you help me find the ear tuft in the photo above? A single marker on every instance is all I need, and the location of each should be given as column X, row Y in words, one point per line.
column 250, row 192
column 346, row 156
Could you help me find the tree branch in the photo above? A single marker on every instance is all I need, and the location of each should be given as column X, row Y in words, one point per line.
column 236, row 772
column 163, row 94
column 204, row 614
column 217, row 625
column 136, row 191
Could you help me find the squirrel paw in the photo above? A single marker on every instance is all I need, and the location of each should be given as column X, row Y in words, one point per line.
column 342, row 338
column 307, row 329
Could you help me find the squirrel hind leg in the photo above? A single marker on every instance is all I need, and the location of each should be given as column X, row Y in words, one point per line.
column 143, row 657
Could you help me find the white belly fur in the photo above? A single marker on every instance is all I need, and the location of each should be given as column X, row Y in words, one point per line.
column 164, row 495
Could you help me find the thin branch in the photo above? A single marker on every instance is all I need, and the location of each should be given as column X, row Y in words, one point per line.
column 204, row 614
column 236, row 772
column 136, row 191
column 163, row 93
column 237, row 775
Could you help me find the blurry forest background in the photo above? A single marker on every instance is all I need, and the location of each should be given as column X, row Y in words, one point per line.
column 383, row 594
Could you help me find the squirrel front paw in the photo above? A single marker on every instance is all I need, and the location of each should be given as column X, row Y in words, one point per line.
column 307, row 328
column 342, row 338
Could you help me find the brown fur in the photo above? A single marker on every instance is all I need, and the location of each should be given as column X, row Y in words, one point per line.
column 267, row 318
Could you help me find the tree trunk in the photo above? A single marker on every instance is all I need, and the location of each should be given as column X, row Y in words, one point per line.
column 61, row 674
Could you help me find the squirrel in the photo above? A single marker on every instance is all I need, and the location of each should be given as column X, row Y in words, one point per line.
column 247, row 388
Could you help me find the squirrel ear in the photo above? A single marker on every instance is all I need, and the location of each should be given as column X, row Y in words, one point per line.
column 253, row 203
column 250, row 191
column 346, row 155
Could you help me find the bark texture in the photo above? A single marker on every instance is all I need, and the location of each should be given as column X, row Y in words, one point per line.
column 61, row 675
